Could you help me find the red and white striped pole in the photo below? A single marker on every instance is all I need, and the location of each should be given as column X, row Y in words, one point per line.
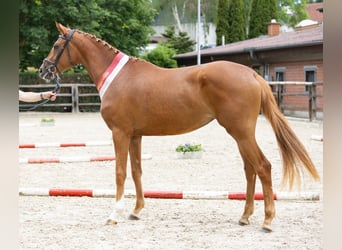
column 317, row 138
column 74, row 159
column 63, row 145
column 190, row 195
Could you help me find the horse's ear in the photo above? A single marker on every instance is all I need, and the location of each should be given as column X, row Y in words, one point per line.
column 62, row 29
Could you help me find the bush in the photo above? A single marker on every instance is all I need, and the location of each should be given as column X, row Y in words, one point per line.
column 31, row 78
column 189, row 148
column 161, row 56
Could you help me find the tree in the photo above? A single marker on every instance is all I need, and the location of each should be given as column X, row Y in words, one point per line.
column 127, row 26
column 175, row 44
column 262, row 12
column 292, row 12
column 178, row 12
column 236, row 21
column 162, row 56
column 181, row 43
column 222, row 24
column 123, row 23
column 37, row 30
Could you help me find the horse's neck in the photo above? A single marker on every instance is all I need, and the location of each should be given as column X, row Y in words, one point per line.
column 96, row 65
column 95, row 58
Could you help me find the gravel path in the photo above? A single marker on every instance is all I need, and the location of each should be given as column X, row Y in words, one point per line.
column 78, row 222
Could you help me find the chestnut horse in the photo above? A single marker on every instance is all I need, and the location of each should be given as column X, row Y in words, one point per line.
column 139, row 98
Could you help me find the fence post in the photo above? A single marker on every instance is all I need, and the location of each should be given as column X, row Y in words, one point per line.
column 312, row 102
column 277, row 94
column 74, row 98
column 281, row 97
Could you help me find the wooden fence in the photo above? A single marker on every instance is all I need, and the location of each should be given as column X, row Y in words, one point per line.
column 298, row 97
column 304, row 97
column 72, row 97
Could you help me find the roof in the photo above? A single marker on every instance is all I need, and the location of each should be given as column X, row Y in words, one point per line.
column 299, row 38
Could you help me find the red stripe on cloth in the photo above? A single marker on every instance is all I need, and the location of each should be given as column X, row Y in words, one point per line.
column 111, row 67
column 164, row 194
column 70, row 192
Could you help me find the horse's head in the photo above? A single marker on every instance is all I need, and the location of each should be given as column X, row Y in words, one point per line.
column 60, row 56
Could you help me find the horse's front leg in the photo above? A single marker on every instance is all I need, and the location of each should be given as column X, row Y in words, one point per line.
column 121, row 145
column 135, row 156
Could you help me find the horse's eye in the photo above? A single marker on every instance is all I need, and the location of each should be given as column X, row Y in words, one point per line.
column 55, row 47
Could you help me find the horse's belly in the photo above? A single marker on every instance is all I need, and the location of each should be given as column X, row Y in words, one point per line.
column 171, row 123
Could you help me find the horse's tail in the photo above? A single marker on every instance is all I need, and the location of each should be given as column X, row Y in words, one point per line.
column 294, row 155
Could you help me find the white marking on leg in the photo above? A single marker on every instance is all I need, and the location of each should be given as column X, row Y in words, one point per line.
column 118, row 210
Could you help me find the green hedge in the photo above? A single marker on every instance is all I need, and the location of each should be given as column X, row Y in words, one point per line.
column 31, row 78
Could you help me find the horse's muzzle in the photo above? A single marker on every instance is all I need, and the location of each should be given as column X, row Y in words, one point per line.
column 47, row 70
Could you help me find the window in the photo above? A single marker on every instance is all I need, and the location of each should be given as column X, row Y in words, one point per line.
column 279, row 74
column 310, row 75
column 279, row 77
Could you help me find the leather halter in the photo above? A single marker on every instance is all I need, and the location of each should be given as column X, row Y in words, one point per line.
column 65, row 46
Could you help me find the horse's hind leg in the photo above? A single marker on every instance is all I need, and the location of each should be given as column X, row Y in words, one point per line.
column 249, row 205
column 254, row 158
column 135, row 156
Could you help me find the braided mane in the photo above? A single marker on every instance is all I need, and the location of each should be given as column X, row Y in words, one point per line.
column 105, row 44
column 98, row 40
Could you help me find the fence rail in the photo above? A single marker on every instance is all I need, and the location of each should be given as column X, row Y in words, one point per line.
column 309, row 91
column 83, row 97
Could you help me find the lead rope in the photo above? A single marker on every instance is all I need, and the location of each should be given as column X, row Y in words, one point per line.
column 55, row 90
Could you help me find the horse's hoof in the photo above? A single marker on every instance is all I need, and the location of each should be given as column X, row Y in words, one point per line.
column 111, row 222
column 133, row 217
column 243, row 222
column 267, row 228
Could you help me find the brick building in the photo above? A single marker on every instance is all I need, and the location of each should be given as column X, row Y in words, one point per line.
column 295, row 56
